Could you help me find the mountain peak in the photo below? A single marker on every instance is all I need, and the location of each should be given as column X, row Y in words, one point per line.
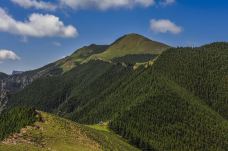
column 133, row 44
column 131, row 36
column 134, row 35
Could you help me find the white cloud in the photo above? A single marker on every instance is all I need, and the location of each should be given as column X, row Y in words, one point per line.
column 57, row 44
column 87, row 4
column 164, row 26
column 8, row 55
column 38, row 4
column 106, row 4
column 167, row 2
column 37, row 25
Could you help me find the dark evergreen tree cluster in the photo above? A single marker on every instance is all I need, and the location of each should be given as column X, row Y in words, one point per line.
column 12, row 120
column 133, row 59
column 203, row 71
column 172, row 119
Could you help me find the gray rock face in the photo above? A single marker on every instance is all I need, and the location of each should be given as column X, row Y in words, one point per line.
column 16, row 82
column 12, row 84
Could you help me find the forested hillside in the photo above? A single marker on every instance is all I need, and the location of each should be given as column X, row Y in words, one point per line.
column 203, row 71
column 66, row 92
column 133, row 59
column 167, row 117
column 179, row 103
column 83, row 55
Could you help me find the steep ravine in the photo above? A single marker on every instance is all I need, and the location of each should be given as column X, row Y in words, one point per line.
column 3, row 96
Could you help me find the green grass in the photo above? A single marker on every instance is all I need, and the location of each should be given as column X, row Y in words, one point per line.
column 63, row 135
column 131, row 44
column 81, row 55
column 100, row 127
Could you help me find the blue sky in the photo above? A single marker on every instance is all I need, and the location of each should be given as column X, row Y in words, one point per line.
column 25, row 44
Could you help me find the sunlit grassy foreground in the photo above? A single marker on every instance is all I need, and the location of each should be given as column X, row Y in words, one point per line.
column 58, row 134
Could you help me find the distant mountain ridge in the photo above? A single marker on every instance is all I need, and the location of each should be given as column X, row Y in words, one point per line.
column 19, row 80
column 83, row 55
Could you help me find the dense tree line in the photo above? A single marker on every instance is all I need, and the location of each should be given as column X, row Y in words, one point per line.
column 203, row 71
column 172, row 119
column 11, row 121
column 133, row 59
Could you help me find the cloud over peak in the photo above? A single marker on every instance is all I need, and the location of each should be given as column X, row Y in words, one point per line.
column 164, row 26
column 37, row 25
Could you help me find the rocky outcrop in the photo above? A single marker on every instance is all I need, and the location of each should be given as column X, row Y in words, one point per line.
column 16, row 82
column 12, row 84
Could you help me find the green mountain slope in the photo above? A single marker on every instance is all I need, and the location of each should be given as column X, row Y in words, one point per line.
column 131, row 44
column 203, row 71
column 54, row 133
column 134, row 59
column 146, row 50
column 71, row 61
column 127, row 45
column 167, row 117
column 80, row 55
column 64, row 93
column 17, row 82
column 162, row 107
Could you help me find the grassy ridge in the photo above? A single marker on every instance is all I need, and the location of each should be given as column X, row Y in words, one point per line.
column 129, row 45
column 81, row 55
column 58, row 134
